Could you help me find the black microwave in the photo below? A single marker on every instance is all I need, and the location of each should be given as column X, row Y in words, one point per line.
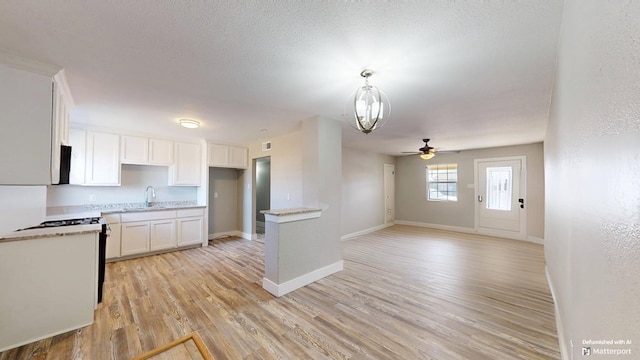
column 65, row 164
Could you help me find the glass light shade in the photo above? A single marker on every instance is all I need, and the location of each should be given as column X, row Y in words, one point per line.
column 189, row 124
column 427, row 156
column 370, row 106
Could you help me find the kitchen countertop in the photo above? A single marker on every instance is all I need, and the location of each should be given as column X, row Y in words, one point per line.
column 285, row 212
column 119, row 208
column 90, row 211
column 50, row 232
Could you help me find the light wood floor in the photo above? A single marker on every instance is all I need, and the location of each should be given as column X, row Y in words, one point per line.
column 405, row 293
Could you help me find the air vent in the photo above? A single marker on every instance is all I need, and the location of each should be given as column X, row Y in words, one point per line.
column 266, row 146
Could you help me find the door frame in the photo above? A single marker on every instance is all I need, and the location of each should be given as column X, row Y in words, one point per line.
column 522, row 234
column 392, row 174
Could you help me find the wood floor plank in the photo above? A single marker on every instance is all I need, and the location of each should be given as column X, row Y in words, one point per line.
column 405, row 293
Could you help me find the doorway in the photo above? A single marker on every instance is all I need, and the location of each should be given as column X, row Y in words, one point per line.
column 500, row 196
column 389, row 193
column 263, row 190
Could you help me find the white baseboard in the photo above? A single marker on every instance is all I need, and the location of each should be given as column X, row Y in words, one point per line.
column 365, row 231
column 536, row 240
column 438, row 226
column 248, row 236
column 564, row 351
column 467, row 230
column 303, row 280
column 225, row 233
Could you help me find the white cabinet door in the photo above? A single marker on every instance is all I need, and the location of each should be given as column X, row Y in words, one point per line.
column 163, row 234
column 134, row 150
column 238, row 157
column 135, row 238
column 60, row 123
column 160, row 152
column 103, row 159
column 25, row 137
column 186, row 170
column 78, row 142
column 113, row 241
column 218, row 155
column 190, row 231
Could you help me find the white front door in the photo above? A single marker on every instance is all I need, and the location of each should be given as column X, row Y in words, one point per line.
column 500, row 189
column 389, row 193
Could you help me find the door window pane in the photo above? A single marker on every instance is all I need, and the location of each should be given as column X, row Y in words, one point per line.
column 499, row 188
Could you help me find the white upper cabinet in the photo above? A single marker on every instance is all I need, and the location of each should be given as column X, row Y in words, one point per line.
column 103, row 159
column 238, row 157
column 145, row 151
column 25, row 138
column 95, row 158
column 78, row 142
column 186, row 169
column 62, row 105
column 227, row 156
column 134, row 150
column 218, row 155
column 160, row 152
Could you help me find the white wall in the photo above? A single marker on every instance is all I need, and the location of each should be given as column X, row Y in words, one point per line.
column 411, row 185
column 362, row 190
column 135, row 179
column 592, row 165
column 21, row 206
column 286, row 171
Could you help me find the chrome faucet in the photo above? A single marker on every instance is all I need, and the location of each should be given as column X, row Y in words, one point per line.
column 146, row 195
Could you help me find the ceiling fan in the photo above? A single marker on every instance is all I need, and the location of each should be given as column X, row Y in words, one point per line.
column 427, row 152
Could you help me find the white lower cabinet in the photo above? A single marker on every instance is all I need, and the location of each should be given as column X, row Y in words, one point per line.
column 190, row 231
column 163, row 234
column 149, row 231
column 135, row 238
column 114, row 231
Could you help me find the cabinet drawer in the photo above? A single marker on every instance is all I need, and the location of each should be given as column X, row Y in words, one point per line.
column 190, row 212
column 148, row 215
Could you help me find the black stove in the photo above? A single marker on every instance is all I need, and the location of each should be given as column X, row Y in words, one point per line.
column 102, row 241
column 67, row 222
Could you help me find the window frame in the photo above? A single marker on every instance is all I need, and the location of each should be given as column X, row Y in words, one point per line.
column 442, row 169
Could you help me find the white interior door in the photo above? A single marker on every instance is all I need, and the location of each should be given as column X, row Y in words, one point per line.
column 389, row 193
column 500, row 197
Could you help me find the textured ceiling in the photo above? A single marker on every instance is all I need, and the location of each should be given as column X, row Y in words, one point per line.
column 467, row 74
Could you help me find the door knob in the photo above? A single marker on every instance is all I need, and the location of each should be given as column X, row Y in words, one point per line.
column 521, row 201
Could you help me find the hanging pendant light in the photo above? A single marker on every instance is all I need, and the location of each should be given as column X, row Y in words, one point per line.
column 371, row 106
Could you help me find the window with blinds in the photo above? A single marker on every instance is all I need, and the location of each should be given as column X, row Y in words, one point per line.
column 442, row 182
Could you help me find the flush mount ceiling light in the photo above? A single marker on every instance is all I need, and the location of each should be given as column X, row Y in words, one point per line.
column 371, row 106
column 189, row 124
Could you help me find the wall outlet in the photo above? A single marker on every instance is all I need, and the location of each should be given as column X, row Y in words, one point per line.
column 92, row 197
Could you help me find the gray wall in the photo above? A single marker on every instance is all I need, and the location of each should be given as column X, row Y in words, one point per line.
column 362, row 190
column 223, row 210
column 592, row 239
column 411, row 183
column 263, row 186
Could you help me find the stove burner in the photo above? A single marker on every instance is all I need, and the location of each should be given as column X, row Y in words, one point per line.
column 67, row 222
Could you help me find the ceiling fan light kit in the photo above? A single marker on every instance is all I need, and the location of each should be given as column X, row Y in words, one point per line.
column 371, row 106
column 426, row 152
